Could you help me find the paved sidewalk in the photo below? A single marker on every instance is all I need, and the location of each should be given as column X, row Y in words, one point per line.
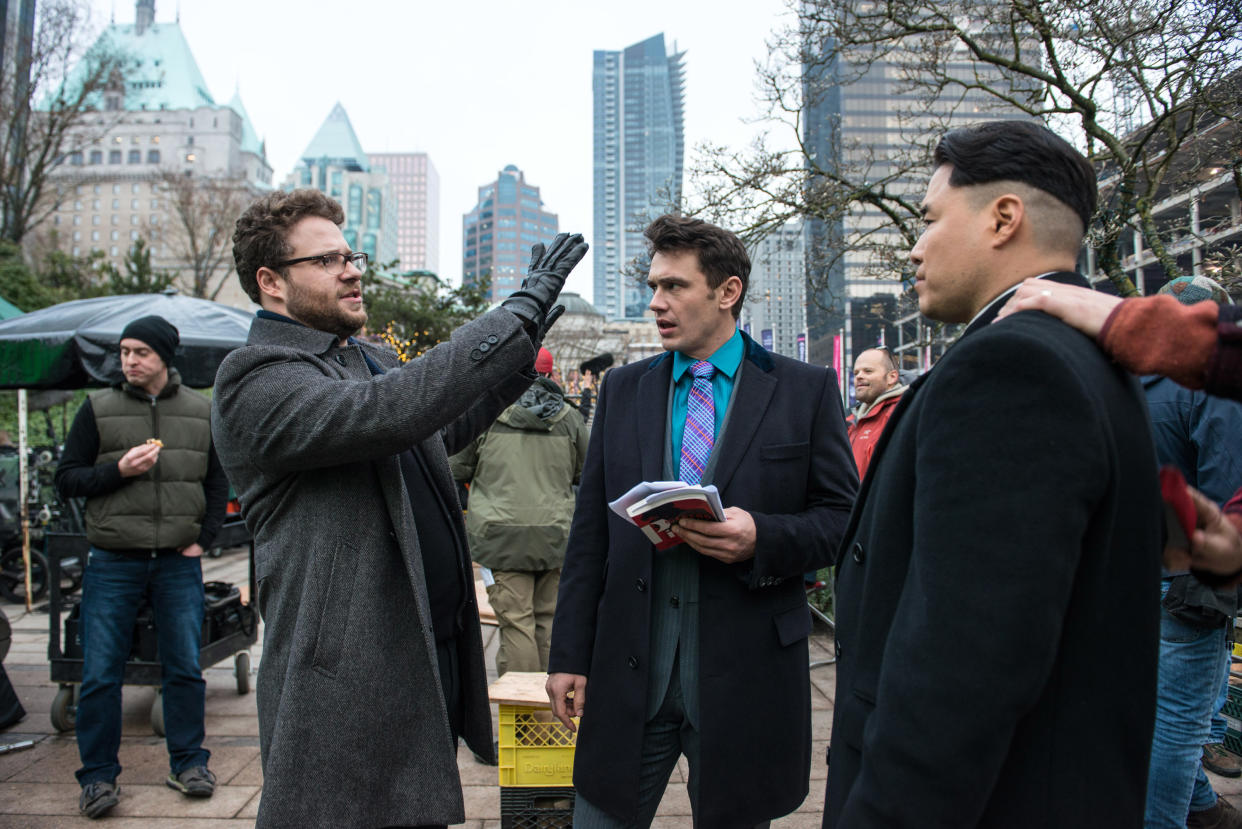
column 38, row 790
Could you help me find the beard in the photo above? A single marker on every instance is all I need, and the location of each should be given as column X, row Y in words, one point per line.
column 323, row 312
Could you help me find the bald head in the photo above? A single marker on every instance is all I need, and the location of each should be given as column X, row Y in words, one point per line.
column 875, row 372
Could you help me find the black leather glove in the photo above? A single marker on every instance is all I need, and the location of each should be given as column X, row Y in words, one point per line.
column 536, row 338
column 544, row 280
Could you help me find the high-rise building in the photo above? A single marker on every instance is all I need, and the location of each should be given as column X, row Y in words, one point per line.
column 868, row 128
column 775, row 309
column 158, row 127
column 415, row 185
column 334, row 163
column 637, row 164
column 497, row 233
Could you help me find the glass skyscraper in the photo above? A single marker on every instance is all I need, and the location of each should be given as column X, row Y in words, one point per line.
column 639, row 146
column 869, row 123
column 497, row 234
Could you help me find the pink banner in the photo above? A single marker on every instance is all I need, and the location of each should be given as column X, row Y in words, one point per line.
column 838, row 357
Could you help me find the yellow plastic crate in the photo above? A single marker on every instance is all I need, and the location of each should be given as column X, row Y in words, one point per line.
column 535, row 748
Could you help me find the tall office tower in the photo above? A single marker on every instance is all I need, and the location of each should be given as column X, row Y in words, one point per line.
column 775, row 309
column 415, row 185
column 638, row 164
column 497, row 233
column 159, row 125
column 334, row 163
column 869, row 126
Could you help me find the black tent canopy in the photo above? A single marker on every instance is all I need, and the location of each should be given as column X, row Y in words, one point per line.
column 74, row 344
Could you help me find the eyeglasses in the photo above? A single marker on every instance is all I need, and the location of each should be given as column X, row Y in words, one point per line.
column 333, row 263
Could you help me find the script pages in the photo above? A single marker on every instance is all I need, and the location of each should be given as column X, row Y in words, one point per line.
column 653, row 506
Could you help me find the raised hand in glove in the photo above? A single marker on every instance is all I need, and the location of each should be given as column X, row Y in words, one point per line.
column 544, row 280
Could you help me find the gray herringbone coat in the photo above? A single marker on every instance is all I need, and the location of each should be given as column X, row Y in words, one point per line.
column 352, row 722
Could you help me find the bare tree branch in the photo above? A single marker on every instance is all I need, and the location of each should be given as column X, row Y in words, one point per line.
column 50, row 111
column 1092, row 69
column 205, row 210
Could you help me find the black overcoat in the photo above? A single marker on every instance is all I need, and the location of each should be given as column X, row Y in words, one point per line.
column 784, row 458
column 998, row 594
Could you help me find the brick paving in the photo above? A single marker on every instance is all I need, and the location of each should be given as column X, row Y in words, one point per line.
column 38, row 790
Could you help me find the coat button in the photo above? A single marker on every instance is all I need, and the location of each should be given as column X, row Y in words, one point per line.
column 476, row 355
column 641, row 584
column 836, row 648
column 484, row 346
column 493, row 339
column 857, row 552
column 674, row 602
column 340, row 358
column 632, row 662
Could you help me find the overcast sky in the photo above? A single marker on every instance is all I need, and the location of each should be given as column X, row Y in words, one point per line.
column 476, row 85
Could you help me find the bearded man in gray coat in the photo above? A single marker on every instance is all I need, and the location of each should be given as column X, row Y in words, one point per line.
column 372, row 657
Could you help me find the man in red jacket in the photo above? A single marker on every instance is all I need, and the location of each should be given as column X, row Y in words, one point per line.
column 877, row 387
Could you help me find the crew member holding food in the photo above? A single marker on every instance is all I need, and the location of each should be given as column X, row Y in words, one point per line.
column 140, row 453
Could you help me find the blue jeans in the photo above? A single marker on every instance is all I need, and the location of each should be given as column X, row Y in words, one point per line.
column 1219, row 726
column 111, row 590
column 1190, row 671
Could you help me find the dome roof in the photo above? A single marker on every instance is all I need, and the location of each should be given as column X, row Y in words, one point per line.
column 575, row 304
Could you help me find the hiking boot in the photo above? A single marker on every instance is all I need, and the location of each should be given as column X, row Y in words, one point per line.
column 193, row 782
column 1220, row 816
column 98, row 797
column 1220, row 760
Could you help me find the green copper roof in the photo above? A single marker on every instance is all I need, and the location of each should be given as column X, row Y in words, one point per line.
column 250, row 142
column 8, row 310
column 162, row 73
column 337, row 143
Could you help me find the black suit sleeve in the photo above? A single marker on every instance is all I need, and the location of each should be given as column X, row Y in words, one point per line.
column 77, row 475
column 790, row 544
column 1009, row 466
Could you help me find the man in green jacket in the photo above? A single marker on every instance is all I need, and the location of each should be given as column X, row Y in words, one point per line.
column 521, row 473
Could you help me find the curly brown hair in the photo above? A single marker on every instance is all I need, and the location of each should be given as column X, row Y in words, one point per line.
column 721, row 254
column 259, row 239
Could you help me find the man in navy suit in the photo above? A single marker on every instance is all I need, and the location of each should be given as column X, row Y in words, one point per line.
column 998, row 590
column 700, row 649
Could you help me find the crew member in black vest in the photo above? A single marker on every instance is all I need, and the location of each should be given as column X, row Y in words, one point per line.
column 141, row 455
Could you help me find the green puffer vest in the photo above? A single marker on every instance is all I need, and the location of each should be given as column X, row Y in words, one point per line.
column 162, row 508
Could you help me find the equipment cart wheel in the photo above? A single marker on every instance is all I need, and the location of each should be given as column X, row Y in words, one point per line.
column 13, row 575
column 241, row 667
column 157, row 713
column 65, row 708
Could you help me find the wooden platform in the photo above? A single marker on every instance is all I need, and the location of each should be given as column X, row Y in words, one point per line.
column 520, row 688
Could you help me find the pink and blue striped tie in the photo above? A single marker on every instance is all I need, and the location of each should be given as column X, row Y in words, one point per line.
column 699, row 434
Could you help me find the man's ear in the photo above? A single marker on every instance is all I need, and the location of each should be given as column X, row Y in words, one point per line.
column 271, row 283
column 730, row 292
column 1005, row 218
